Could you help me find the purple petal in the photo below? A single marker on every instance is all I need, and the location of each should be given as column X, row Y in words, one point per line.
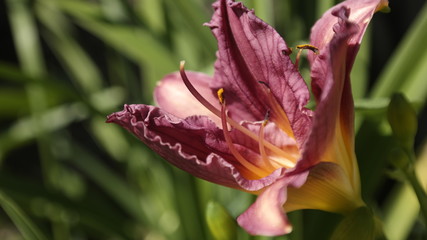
column 192, row 144
column 172, row 96
column 250, row 52
column 266, row 216
column 334, row 113
column 361, row 12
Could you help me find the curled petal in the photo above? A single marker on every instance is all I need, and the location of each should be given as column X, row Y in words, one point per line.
column 266, row 216
column 191, row 144
column 361, row 12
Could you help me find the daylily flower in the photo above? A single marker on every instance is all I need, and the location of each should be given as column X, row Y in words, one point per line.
column 247, row 127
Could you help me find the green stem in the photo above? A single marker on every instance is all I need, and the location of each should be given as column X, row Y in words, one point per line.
column 418, row 189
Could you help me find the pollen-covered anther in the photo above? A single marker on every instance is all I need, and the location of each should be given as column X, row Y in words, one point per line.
column 309, row 47
column 220, row 93
column 301, row 47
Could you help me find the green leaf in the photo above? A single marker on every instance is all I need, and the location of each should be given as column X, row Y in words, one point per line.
column 13, row 102
column 102, row 216
column 133, row 41
column 407, row 68
column 25, row 33
column 220, row 222
column 153, row 14
column 359, row 224
column 27, row 228
column 360, row 70
column 116, row 187
column 403, row 121
column 402, row 208
column 22, row 130
column 73, row 58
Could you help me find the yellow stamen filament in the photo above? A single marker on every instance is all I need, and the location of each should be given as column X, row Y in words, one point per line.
column 254, row 169
column 234, row 124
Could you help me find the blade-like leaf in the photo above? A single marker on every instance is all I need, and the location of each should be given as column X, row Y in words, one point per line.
column 27, row 228
column 72, row 57
column 134, row 42
column 406, row 69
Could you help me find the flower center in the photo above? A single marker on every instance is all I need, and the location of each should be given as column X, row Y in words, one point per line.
column 272, row 157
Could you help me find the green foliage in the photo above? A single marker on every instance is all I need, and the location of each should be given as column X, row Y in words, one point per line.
column 359, row 224
column 221, row 224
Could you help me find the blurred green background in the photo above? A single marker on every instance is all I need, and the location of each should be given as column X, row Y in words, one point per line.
column 66, row 64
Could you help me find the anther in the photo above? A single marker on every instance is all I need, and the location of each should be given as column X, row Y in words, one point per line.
column 309, row 47
column 301, row 47
column 220, row 93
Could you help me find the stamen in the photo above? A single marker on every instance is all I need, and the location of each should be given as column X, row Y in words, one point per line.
column 194, row 92
column 230, row 121
column 309, row 47
column 302, row 47
column 254, row 169
column 220, row 96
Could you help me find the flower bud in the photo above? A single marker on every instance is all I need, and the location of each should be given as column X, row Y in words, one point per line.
column 403, row 121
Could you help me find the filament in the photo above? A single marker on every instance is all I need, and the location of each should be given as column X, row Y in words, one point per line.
column 254, row 169
column 230, row 121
